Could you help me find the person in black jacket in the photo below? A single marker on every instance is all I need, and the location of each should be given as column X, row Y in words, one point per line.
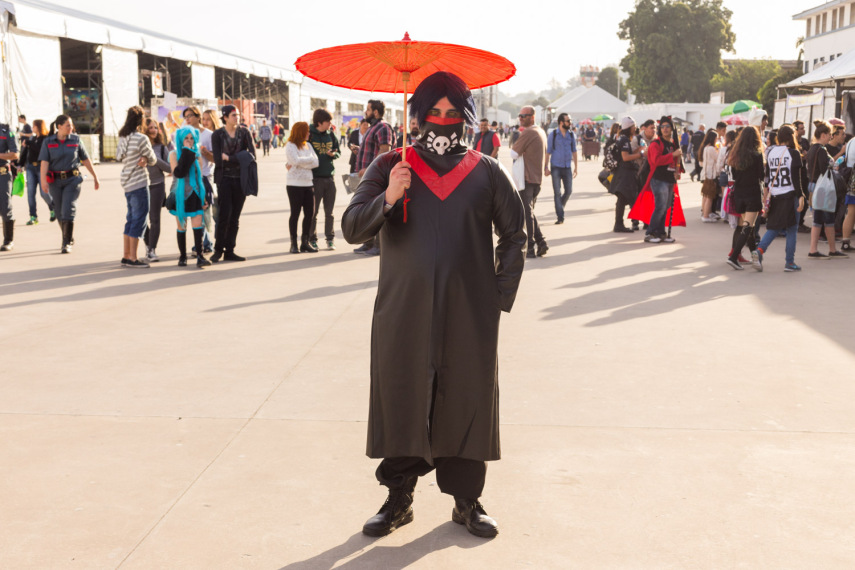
column 434, row 394
column 697, row 143
column 227, row 143
column 746, row 163
column 355, row 140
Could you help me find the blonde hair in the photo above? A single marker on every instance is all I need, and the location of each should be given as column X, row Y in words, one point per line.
column 215, row 120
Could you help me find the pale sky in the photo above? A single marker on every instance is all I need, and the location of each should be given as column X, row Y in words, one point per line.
column 543, row 39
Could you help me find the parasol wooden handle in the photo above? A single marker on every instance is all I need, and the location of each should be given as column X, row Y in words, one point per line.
column 405, row 77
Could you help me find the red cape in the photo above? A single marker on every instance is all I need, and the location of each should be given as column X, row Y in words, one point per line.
column 643, row 207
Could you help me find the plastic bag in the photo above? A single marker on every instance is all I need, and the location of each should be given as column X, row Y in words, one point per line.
column 824, row 196
column 518, row 172
column 19, row 184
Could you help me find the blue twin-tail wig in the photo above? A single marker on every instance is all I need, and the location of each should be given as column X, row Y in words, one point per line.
column 194, row 176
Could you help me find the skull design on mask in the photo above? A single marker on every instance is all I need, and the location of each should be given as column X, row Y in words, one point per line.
column 440, row 144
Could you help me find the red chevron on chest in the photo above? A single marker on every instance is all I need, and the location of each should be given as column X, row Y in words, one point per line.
column 443, row 186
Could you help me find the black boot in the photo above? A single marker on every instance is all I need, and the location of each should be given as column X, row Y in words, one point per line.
column 8, row 236
column 396, row 511
column 66, row 236
column 181, row 237
column 70, row 225
column 294, row 248
column 197, row 239
column 471, row 513
column 306, row 247
column 62, row 232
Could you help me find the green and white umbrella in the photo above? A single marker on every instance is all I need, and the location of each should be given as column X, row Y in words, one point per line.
column 603, row 117
column 741, row 106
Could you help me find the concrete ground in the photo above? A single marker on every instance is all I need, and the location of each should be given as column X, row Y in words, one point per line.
column 659, row 409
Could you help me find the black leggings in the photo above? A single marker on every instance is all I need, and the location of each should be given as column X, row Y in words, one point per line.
column 157, row 194
column 300, row 198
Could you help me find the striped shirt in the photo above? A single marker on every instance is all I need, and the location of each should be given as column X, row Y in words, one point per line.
column 131, row 149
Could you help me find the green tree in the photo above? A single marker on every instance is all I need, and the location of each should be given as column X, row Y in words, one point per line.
column 743, row 78
column 675, row 48
column 542, row 101
column 610, row 81
column 769, row 92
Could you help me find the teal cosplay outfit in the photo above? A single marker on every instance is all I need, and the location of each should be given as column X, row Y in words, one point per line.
column 188, row 177
column 188, row 198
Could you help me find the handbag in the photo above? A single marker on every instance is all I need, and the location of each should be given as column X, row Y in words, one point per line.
column 518, row 172
column 19, row 184
column 605, row 178
column 824, row 197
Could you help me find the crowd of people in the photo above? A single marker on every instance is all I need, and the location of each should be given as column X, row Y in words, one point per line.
column 750, row 177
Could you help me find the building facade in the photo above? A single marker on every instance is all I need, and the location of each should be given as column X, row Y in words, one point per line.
column 829, row 32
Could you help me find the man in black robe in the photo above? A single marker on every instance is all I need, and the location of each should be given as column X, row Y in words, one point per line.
column 434, row 385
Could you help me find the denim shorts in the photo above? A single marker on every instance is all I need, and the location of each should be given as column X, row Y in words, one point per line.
column 822, row 218
column 138, row 205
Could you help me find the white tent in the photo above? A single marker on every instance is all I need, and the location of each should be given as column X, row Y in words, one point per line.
column 31, row 72
column 841, row 69
column 588, row 102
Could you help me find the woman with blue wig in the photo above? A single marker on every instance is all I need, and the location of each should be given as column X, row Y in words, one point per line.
column 190, row 199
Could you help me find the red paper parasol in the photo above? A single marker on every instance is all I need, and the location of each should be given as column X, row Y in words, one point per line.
column 399, row 67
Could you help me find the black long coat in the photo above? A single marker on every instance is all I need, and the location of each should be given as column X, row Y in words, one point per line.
column 434, row 375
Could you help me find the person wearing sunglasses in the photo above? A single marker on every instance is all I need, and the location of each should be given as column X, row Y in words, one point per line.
column 531, row 146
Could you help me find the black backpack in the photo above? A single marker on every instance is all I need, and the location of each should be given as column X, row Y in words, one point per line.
column 610, row 156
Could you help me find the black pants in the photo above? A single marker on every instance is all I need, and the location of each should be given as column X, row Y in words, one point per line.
column 532, row 228
column 620, row 209
column 265, row 144
column 230, row 204
column 324, row 194
column 698, row 169
column 455, row 476
column 301, row 199
column 157, row 196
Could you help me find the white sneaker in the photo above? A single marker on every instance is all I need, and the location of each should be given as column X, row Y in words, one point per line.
column 715, row 217
column 151, row 254
column 709, row 220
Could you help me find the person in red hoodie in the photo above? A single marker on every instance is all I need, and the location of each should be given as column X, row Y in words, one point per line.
column 660, row 193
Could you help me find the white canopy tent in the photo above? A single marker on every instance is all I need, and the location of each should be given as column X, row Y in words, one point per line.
column 30, row 32
column 827, row 98
column 841, row 70
column 588, row 102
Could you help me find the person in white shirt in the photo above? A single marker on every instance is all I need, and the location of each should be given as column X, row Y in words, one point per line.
column 300, row 159
column 783, row 194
